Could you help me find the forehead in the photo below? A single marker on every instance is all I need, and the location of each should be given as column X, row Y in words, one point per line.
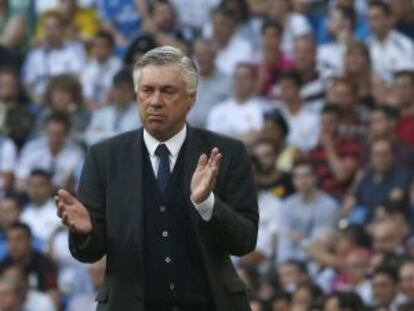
column 161, row 75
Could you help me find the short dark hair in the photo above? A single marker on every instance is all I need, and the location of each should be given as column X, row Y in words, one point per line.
column 405, row 73
column 382, row 5
column 107, row 36
column 306, row 163
column 387, row 270
column 124, row 76
column 37, row 172
column 349, row 301
column 59, row 117
column 292, row 75
column 20, row 226
column 348, row 13
column 300, row 265
column 277, row 117
column 272, row 24
column 330, row 108
column 389, row 112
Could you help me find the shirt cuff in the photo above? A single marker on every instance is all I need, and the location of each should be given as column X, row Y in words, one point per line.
column 205, row 208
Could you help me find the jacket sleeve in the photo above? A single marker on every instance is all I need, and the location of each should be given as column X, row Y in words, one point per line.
column 235, row 214
column 91, row 192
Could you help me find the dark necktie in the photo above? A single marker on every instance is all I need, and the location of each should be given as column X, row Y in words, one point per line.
column 163, row 174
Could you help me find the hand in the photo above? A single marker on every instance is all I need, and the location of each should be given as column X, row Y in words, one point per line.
column 205, row 175
column 73, row 213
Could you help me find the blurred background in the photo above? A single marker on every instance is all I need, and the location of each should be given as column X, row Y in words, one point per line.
column 320, row 91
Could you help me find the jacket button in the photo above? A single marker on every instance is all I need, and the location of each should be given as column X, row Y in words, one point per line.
column 167, row 259
column 163, row 208
column 172, row 286
column 165, row 233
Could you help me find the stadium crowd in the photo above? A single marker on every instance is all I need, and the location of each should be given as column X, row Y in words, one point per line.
column 320, row 91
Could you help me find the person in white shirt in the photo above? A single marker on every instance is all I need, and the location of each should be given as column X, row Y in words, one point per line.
column 119, row 117
column 294, row 24
column 99, row 70
column 340, row 25
column 53, row 57
column 54, row 152
column 8, row 157
column 40, row 213
column 390, row 50
column 243, row 112
column 303, row 124
column 232, row 49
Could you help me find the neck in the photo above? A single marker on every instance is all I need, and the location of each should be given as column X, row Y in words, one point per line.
column 308, row 195
column 242, row 99
column 382, row 35
column 294, row 106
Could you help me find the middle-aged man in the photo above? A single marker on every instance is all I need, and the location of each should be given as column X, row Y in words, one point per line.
column 168, row 204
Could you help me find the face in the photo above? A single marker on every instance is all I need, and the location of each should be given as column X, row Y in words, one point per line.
column 332, row 304
column 53, row 31
column 271, row 40
column 266, row 155
column 9, row 300
column 39, row 189
column 404, row 90
column 56, row 134
column 163, row 16
column 379, row 124
column 244, row 82
column 342, row 94
column 9, row 212
column 304, row 179
column 163, row 100
column 8, row 86
column 386, row 238
column 329, row 123
column 356, row 265
column 101, row 49
column 289, row 90
column 223, row 27
column 19, row 244
column 400, row 8
column 204, row 56
column 305, row 54
column 384, row 289
column 278, row 8
column 290, row 277
column 281, row 305
column 61, row 100
column 407, row 280
column 378, row 21
column 381, row 156
column 123, row 94
column 302, row 297
column 336, row 22
column 356, row 61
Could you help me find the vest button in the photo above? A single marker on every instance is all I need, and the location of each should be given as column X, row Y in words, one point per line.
column 167, row 259
column 163, row 208
column 172, row 286
column 165, row 233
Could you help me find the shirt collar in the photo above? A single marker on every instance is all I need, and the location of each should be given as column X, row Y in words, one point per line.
column 173, row 144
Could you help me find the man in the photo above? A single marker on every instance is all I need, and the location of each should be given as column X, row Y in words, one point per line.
column 243, row 112
column 154, row 225
column 403, row 15
column 303, row 214
column 406, row 274
column 385, row 288
column 403, row 87
column 12, row 295
column 390, row 50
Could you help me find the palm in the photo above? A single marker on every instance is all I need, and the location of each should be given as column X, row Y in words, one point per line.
column 73, row 213
column 204, row 176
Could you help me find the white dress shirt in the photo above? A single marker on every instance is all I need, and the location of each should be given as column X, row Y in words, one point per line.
column 174, row 145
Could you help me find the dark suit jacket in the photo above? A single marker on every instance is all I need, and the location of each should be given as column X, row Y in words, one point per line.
column 110, row 188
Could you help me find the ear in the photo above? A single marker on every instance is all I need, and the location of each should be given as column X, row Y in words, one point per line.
column 191, row 98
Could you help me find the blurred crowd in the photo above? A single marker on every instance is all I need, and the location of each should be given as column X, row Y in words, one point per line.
column 320, row 91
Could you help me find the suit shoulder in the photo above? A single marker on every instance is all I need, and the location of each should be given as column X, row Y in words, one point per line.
column 115, row 142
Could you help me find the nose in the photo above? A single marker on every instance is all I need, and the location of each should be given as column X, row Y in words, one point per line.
column 155, row 101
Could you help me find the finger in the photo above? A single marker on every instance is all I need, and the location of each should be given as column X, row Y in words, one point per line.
column 66, row 197
column 213, row 154
column 202, row 161
column 216, row 162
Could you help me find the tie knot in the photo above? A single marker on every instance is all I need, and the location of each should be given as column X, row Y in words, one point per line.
column 162, row 151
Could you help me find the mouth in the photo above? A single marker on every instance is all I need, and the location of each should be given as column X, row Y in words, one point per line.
column 156, row 118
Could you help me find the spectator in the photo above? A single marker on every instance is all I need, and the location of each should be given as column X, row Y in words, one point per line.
column 304, row 214
column 344, row 302
column 137, row 48
column 303, row 125
column 341, row 25
column 231, row 49
column 99, row 71
column 409, row 306
column 382, row 124
column 357, row 64
column 16, row 121
column 243, row 112
column 306, row 296
column 384, row 180
column 55, row 56
column 10, row 211
column 390, row 50
column 314, row 78
column 353, row 123
column 406, row 276
column 64, row 96
column 213, row 86
column 12, row 295
column 387, row 240
column 14, row 23
column 86, row 302
column 403, row 16
column 40, row 270
column 385, row 288
column 404, row 91
column 40, row 213
column 335, row 159
column 119, row 117
column 273, row 61
column 281, row 302
column 8, row 156
column 292, row 274
column 81, row 23
column 54, row 152
column 293, row 24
